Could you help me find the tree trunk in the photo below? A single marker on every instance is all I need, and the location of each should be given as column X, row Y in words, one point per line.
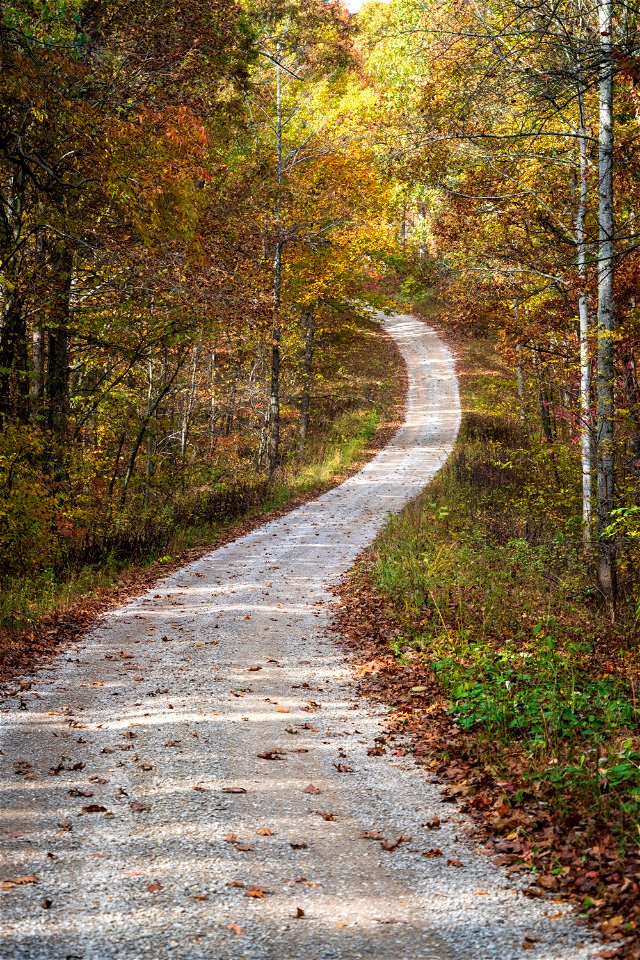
column 606, row 563
column 57, row 385
column 308, row 320
column 14, row 366
column 586, row 426
column 273, row 450
column 38, row 355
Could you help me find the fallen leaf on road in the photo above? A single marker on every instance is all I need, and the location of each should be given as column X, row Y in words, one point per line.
column 392, row 844
column 233, row 790
column 256, row 892
column 75, row 792
column 452, row 862
column 199, row 896
column 264, row 832
column 46, row 903
column 298, row 914
column 432, row 824
column 94, row 808
column 434, row 852
column 299, row 845
column 312, row 789
column 138, row 807
column 282, row 710
column 271, row 755
column 235, row 929
column 343, row 768
column 325, row 815
column 372, row 835
column 254, row 669
column 18, row 881
column 154, row 887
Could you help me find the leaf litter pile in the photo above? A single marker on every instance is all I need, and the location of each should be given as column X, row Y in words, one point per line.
column 570, row 857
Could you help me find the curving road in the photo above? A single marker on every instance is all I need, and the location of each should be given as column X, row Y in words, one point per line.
column 134, row 790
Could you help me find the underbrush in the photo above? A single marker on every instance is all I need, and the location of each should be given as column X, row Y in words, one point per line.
column 486, row 578
column 56, row 572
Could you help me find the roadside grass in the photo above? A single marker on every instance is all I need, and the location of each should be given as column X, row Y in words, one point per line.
column 485, row 580
column 336, row 447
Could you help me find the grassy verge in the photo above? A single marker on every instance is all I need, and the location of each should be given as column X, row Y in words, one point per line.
column 484, row 633
column 39, row 613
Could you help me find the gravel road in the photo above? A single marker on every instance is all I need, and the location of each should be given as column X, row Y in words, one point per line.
column 195, row 778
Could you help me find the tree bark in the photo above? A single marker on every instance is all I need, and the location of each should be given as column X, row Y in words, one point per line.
column 308, row 320
column 14, row 365
column 273, row 448
column 57, row 384
column 586, row 425
column 606, row 560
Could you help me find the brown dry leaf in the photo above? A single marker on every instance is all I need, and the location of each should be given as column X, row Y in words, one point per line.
column 325, row 815
column 343, row 768
column 243, row 847
column 434, row 852
column 231, row 838
column 299, row 845
column 255, row 892
column 199, row 896
column 271, row 755
column 452, row 862
column 200, row 788
column 154, row 887
column 311, row 789
column 94, row 808
column 137, row 807
column 392, row 844
column 235, row 928
column 282, row 710
column 372, row 835
column 254, row 669
column 298, row 914
column 239, row 884
column 18, row 881
column 233, row 790
column 548, row 882
column 264, row 832
column 433, row 824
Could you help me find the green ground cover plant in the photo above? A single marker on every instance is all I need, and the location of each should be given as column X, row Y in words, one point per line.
column 485, row 573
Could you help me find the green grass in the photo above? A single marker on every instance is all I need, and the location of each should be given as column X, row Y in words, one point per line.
column 485, row 576
column 24, row 599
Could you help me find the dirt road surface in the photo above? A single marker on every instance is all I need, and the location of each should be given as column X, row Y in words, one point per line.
column 196, row 777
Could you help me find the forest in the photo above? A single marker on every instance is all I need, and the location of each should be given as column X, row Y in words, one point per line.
column 207, row 209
